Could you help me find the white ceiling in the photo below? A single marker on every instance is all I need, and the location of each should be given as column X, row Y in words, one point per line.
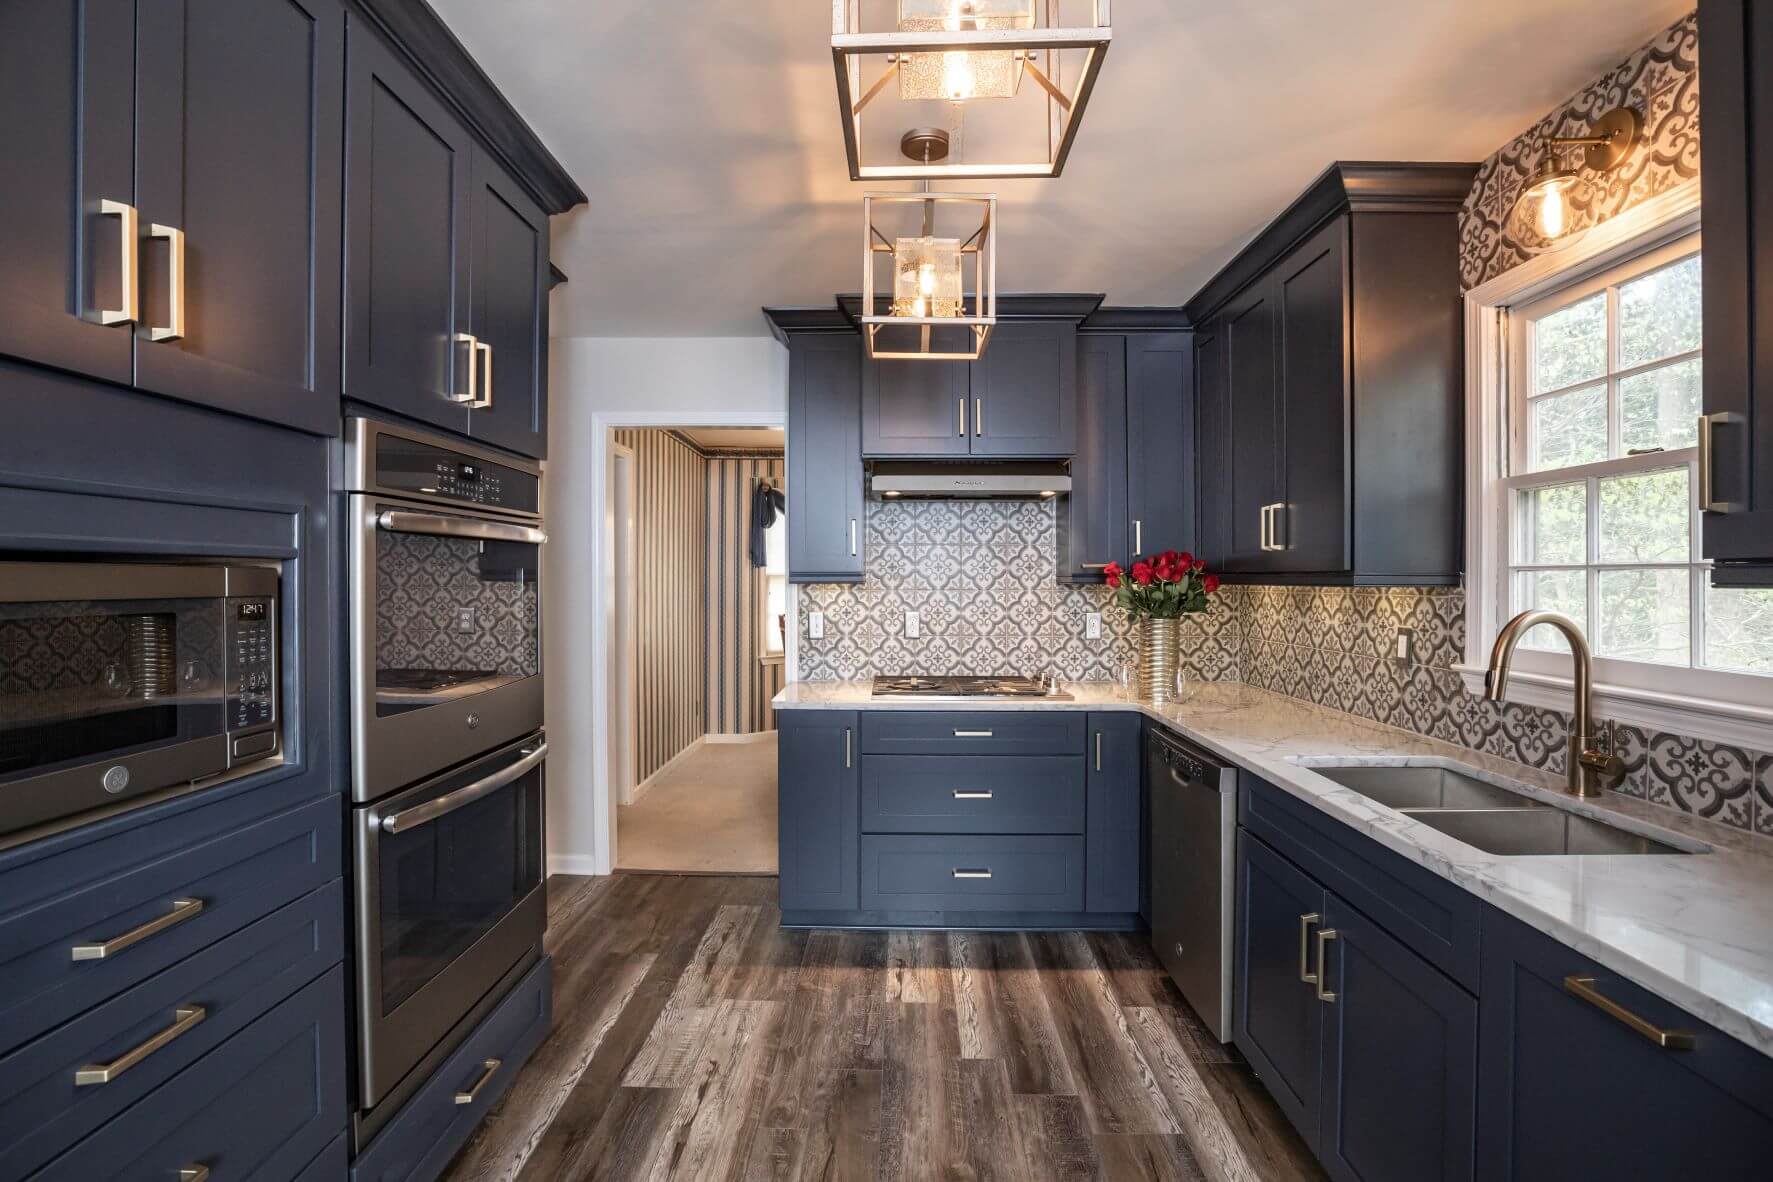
column 706, row 135
column 757, row 438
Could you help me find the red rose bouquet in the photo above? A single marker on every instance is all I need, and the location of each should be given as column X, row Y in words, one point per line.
column 1163, row 588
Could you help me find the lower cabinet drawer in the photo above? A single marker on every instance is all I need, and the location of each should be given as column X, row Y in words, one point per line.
column 950, row 873
column 82, row 926
column 973, row 732
column 441, row 1115
column 972, row 794
column 263, row 1105
column 59, row 1088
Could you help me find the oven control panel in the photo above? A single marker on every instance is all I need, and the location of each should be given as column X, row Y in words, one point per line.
column 252, row 664
column 412, row 466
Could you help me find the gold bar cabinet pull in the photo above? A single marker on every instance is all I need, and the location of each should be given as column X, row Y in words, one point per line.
column 491, row 1068
column 961, row 734
column 194, row 1173
column 1305, row 922
column 174, row 328
column 1324, row 936
column 184, row 1018
column 1583, row 987
column 483, row 351
column 473, row 394
column 128, row 232
column 182, row 909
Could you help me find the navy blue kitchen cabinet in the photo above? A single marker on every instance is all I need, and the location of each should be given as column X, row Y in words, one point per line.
column 916, row 409
column 1329, row 357
column 1114, row 858
column 509, row 320
column 1736, row 37
column 819, row 786
column 1093, row 526
column 824, row 461
column 1577, row 1079
column 174, row 224
column 1024, row 391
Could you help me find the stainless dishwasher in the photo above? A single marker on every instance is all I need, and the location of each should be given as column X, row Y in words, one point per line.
column 1193, row 824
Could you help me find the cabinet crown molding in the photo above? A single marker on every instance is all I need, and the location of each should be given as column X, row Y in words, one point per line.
column 1347, row 186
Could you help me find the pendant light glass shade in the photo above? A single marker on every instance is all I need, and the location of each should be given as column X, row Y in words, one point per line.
column 1552, row 210
column 962, row 75
column 926, row 277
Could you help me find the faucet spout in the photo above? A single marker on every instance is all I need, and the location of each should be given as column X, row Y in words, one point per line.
column 1588, row 769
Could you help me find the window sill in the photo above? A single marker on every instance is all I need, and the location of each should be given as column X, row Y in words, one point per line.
column 1735, row 724
column 772, row 659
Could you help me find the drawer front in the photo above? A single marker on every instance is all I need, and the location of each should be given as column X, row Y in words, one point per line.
column 161, row 901
column 1434, row 918
column 422, row 1138
column 263, row 1105
column 180, row 1014
column 977, row 732
column 972, row 794
column 972, row 873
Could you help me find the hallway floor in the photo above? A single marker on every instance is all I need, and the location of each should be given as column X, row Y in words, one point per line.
column 713, row 813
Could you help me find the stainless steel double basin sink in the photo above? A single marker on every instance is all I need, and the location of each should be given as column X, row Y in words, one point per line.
column 1489, row 817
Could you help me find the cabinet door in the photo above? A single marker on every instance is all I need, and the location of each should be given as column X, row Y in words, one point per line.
column 1253, row 420
column 1644, row 1110
column 1114, row 854
column 1025, row 391
column 1092, row 521
column 1213, row 474
column 1738, row 282
column 509, row 279
column 238, row 141
column 407, row 168
column 1400, row 1060
column 915, row 408
column 67, row 115
column 1277, row 1019
column 818, row 818
column 1161, row 442
column 1311, row 532
column 824, row 459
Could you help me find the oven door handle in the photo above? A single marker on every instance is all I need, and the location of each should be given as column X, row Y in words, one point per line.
column 449, row 802
column 401, row 521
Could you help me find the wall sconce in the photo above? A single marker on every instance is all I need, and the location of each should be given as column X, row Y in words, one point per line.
column 1545, row 213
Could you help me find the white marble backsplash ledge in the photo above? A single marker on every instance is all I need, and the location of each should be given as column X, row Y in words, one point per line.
column 1696, row 929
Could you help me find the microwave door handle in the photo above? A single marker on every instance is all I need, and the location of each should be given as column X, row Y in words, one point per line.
column 402, row 521
column 421, row 814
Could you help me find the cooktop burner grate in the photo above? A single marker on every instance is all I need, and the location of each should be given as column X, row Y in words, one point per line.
column 959, row 687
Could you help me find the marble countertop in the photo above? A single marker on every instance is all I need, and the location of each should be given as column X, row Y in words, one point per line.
column 1694, row 929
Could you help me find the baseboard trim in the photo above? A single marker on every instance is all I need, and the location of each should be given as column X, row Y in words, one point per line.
column 584, row 864
column 640, row 788
column 754, row 737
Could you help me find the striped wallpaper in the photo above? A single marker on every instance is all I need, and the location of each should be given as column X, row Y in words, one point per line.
column 739, row 685
column 670, row 526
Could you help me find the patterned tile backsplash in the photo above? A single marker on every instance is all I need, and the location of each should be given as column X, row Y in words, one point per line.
column 980, row 575
column 425, row 582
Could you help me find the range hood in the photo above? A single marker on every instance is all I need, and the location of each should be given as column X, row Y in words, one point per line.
column 959, row 480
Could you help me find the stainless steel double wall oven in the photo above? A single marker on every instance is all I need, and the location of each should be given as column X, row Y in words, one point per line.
column 447, row 755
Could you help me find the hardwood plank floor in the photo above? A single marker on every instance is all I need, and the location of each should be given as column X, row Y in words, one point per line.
column 694, row 1038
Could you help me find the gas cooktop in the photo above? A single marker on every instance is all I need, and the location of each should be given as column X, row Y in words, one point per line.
column 963, row 687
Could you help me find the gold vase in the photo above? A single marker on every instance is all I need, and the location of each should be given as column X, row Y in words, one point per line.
column 1160, row 643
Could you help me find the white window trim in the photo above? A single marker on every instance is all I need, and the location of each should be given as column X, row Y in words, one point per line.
column 1689, row 705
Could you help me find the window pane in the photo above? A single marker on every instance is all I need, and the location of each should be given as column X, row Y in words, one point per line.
column 1570, row 345
column 1569, row 429
column 1739, row 628
column 1563, row 591
column 1645, row 518
column 1554, row 525
column 1660, row 408
column 1645, row 616
column 1659, row 314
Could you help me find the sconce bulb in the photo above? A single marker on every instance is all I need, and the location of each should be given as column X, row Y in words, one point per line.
column 1552, row 215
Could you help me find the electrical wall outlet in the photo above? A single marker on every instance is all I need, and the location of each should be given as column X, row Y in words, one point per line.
column 912, row 624
column 815, row 625
column 1406, row 645
column 1092, row 625
column 465, row 619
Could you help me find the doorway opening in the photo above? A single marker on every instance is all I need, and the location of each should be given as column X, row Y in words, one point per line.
column 698, row 631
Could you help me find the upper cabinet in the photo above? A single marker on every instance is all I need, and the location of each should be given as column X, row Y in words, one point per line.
column 1329, row 360
column 446, row 283
column 1134, row 472
column 173, row 219
column 1018, row 401
column 825, row 512
column 1737, row 434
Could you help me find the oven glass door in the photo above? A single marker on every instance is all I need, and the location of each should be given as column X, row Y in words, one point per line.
column 455, row 616
column 447, row 880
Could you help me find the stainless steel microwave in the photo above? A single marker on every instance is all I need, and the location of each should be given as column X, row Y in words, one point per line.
column 123, row 679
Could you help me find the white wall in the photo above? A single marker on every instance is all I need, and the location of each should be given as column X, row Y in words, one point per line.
column 596, row 383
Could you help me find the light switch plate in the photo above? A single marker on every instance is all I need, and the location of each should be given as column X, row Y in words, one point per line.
column 1092, row 625
column 1406, row 645
column 815, row 625
column 912, row 624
